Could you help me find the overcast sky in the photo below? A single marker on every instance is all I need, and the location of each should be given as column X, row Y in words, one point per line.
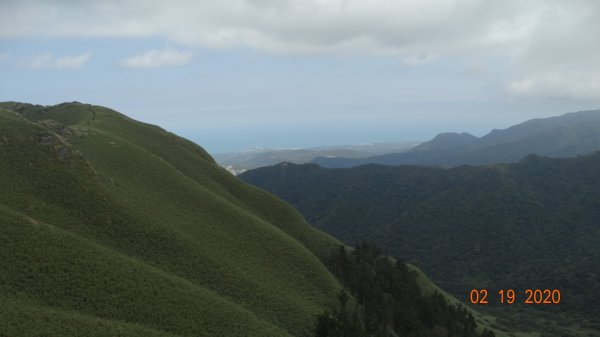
column 236, row 74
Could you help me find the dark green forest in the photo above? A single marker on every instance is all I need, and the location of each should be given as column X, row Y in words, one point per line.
column 534, row 224
column 388, row 301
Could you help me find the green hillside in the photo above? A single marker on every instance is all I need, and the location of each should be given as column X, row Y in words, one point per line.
column 112, row 227
column 534, row 224
column 107, row 222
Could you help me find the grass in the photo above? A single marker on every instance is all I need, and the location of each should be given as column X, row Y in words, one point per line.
column 115, row 222
column 109, row 226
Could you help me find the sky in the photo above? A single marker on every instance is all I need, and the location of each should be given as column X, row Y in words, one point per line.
column 237, row 74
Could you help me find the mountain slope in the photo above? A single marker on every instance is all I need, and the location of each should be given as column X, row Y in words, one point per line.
column 568, row 135
column 446, row 141
column 565, row 141
column 112, row 227
column 531, row 224
column 111, row 222
column 537, row 125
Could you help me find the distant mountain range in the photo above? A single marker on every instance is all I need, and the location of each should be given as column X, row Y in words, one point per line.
column 568, row 135
column 533, row 224
column 238, row 162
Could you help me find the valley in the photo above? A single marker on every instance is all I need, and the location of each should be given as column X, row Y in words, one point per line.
column 109, row 226
column 531, row 224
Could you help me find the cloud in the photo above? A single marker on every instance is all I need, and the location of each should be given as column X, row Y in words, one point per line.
column 583, row 85
column 536, row 37
column 418, row 59
column 72, row 62
column 285, row 26
column 158, row 58
column 48, row 61
column 41, row 61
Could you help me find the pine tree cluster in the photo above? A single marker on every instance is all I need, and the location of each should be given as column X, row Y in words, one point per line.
column 382, row 299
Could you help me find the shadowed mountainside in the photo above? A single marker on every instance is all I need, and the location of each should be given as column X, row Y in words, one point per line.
column 531, row 224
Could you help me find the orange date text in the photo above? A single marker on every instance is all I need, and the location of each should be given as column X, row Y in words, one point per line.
column 510, row 296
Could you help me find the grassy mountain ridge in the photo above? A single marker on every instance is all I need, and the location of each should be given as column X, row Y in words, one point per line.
column 108, row 187
column 525, row 225
column 112, row 227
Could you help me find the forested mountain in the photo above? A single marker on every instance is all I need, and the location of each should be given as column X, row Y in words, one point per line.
column 112, row 227
column 564, row 136
column 534, row 224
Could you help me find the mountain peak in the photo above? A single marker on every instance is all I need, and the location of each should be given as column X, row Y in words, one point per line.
column 447, row 140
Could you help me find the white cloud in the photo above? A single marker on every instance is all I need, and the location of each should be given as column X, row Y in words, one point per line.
column 157, row 58
column 289, row 26
column 72, row 62
column 41, row 61
column 558, row 84
column 49, row 61
column 537, row 37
